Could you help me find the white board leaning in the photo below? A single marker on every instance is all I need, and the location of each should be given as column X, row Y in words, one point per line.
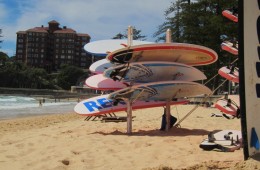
column 249, row 54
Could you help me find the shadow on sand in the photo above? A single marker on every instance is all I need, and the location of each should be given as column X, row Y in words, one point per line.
column 156, row 132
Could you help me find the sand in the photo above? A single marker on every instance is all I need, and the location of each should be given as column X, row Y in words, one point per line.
column 66, row 141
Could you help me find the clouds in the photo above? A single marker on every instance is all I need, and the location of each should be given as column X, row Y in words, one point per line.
column 2, row 11
column 101, row 19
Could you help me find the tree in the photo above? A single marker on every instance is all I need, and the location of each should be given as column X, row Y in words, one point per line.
column 136, row 35
column 118, row 36
column 201, row 23
column 69, row 76
column 18, row 75
column 1, row 37
column 3, row 58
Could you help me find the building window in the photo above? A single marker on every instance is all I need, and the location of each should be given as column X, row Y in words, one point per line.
column 82, row 64
column 20, row 45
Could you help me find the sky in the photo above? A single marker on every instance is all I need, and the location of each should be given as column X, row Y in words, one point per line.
column 101, row 19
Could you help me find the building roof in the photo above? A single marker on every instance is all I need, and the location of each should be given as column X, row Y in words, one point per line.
column 65, row 30
column 21, row 32
column 53, row 22
column 38, row 29
column 62, row 30
column 82, row 35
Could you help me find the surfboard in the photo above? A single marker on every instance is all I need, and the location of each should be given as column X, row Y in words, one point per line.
column 229, row 47
column 102, row 105
column 99, row 82
column 144, row 72
column 223, row 138
column 161, row 91
column 100, row 66
column 228, row 74
column 189, row 54
column 102, row 47
column 227, row 106
column 228, row 14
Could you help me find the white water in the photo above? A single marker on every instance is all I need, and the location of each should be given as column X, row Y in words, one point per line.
column 17, row 106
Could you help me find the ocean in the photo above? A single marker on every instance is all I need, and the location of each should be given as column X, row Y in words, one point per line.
column 19, row 106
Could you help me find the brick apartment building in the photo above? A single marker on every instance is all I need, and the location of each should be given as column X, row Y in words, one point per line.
column 49, row 47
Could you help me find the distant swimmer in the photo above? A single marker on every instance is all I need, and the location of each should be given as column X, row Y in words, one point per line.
column 40, row 103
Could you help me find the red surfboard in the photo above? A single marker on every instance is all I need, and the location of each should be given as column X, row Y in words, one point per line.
column 229, row 47
column 189, row 54
column 227, row 107
column 228, row 74
column 228, row 14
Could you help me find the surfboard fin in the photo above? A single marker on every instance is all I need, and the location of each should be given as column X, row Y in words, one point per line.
column 254, row 142
column 211, row 137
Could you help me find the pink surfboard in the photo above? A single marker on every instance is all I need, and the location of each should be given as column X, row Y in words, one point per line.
column 226, row 73
column 228, row 14
column 228, row 46
column 99, row 82
column 102, row 105
column 189, row 54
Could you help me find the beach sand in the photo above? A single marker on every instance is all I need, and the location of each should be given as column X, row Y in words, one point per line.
column 66, row 141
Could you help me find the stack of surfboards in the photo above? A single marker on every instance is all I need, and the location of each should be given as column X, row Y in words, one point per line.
column 145, row 73
column 231, row 73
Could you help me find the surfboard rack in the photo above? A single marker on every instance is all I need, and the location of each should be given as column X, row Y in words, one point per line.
column 115, row 119
column 111, row 115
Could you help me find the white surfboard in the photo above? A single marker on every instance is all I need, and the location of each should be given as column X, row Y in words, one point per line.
column 163, row 91
column 99, row 82
column 100, row 66
column 103, row 47
column 144, row 72
column 102, row 105
column 225, row 138
column 189, row 54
